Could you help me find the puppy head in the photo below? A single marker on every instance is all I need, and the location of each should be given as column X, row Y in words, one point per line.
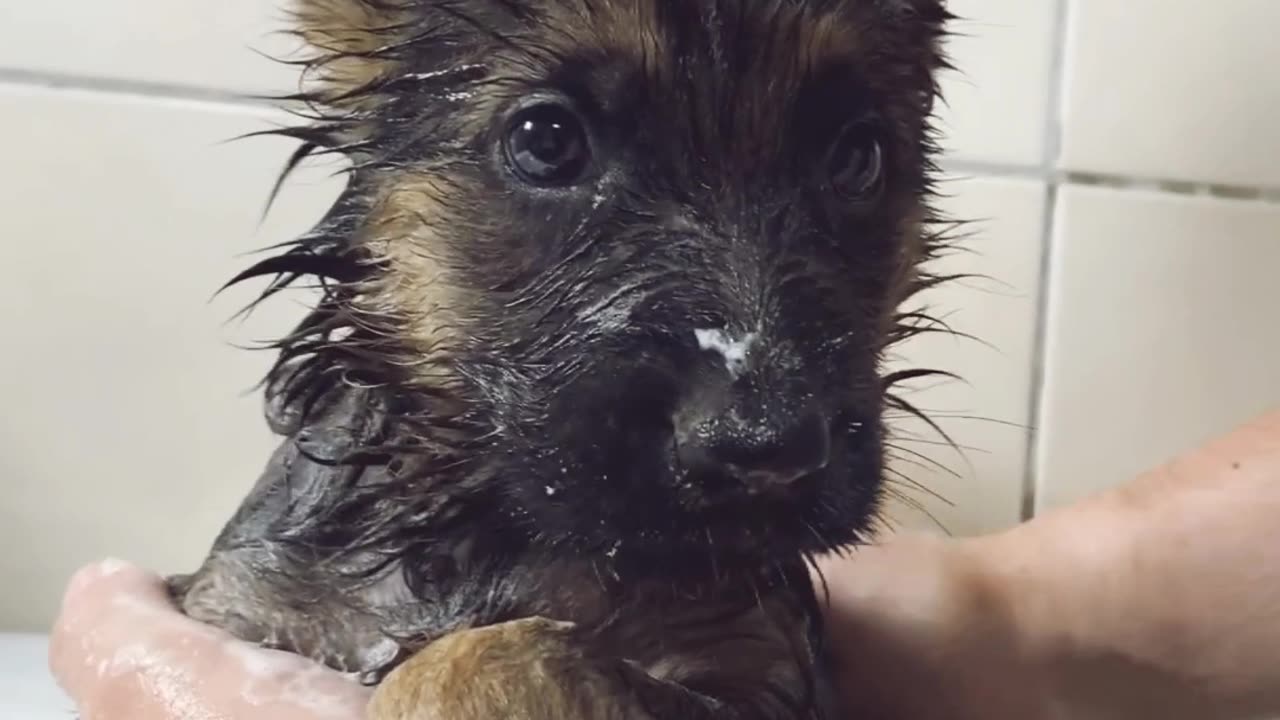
column 637, row 260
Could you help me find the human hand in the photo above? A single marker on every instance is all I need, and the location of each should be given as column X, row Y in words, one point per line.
column 918, row 629
column 122, row 651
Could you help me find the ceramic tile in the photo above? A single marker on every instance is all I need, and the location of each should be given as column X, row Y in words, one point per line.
column 132, row 429
column 1174, row 89
column 1162, row 332
column 195, row 43
column 996, row 102
column 987, row 413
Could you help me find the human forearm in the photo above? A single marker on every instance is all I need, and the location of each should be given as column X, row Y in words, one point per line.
column 1160, row 598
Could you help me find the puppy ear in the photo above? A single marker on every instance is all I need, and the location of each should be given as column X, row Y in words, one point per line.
column 350, row 42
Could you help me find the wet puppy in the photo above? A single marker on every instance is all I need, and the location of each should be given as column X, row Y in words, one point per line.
column 598, row 360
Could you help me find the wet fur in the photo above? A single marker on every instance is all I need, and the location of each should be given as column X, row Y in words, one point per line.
column 471, row 415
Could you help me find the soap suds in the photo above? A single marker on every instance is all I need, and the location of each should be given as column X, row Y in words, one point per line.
column 734, row 351
column 261, row 663
column 277, row 678
column 437, row 74
column 163, row 680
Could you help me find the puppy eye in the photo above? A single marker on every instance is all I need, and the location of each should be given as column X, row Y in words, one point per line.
column 546, row 145
column 857, row 163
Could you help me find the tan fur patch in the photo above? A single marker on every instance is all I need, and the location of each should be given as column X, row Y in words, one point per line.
column 825, row 37
column 634, row 31
column 403, row 231
column 343, row 31
column 630, row 29
column 521, row 670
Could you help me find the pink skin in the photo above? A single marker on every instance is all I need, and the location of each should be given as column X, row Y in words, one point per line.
column 121, row 650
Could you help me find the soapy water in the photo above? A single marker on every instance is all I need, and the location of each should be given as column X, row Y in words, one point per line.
column 273, row 677
column 162, row 679
column 733, row 350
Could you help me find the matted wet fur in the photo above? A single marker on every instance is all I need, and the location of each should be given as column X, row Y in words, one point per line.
column 605, row 307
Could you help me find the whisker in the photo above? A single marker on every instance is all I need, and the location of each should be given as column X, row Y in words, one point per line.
column 978, row 418
column 901, row 479
column 919, row 507
column 903, row 436
column 822, row 578
column 931, row 462
column 916, row 484
column 907, row 407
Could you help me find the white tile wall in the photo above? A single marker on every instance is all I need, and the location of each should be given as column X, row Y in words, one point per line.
column 997, row 101
column 988, row 415
column 185, row 45
column 1164, row 331
column 1174, row 89
column 126, row 431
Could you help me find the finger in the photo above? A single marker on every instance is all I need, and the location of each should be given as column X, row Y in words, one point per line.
column 122, row 650
column 84, row 634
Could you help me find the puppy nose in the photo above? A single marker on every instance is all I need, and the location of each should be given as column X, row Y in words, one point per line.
column 761, row 451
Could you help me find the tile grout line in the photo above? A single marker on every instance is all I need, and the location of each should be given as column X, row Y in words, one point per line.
column 968, row 168
column 143, row 89
column 1053, row 139
column 1045, row 171
column 1170, row 186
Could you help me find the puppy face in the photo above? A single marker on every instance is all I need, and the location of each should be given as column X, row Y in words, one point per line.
column 635, row 261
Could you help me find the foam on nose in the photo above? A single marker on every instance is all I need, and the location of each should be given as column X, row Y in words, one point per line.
column 733, row 350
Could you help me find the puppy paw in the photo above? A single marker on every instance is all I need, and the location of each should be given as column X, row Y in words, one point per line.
column 531, row 669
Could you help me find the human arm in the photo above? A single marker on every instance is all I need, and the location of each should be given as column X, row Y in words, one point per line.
column 1159, row 598
column 1169, row 587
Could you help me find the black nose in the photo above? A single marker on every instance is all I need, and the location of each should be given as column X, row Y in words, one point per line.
column 761, row 450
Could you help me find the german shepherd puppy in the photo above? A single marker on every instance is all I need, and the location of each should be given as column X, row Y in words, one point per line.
column 597, row 364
